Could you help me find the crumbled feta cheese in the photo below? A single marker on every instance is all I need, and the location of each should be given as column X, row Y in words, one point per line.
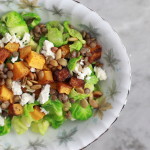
column 44, row 111
column 2, row 66
column 82, row 62
column 100, row 73
column 33, row 70
column 44, row 95
column 6, row 38
column 14, row 39
column 2, row 121
column 14, row 59
column 16, row 88
column 26, row 38
column 1, row 43
column 85, row 72
column 47, row 49
column 27, row 98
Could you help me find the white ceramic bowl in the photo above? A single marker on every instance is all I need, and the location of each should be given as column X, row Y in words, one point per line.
column 76, row 135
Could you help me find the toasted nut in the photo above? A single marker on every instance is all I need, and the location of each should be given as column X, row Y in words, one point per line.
column 72, row 39
column 94, row 103
column 17, row 98
column 35, row 76
column 24, row 81
column 84, row 103
column 62, row 62
column 33, row 81
column 58, row 54
column 29, row 83
column 31, row 75
column 10, row 66
column 54, row 63
column 59, row 67
column 40, row 75
column 80, row 90
column 36, row 87
column 66, row 106
column 9, row 83
column 97, row 94
column 91, row 96
column 74, row 54
column 10, row 74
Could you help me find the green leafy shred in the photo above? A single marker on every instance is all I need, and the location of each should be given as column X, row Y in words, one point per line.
column 40, row 45
column 77, row 45
column 3, row 28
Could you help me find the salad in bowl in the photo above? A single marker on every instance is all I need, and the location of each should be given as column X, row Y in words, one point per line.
column 49, row 73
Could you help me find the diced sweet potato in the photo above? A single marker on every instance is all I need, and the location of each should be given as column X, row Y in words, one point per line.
column 95, row 55
column 53, row 85
column 48, row 77
column 62, row 75
column 37, row 114
column 6, row 94
column 24, row 52
column 65, row 50
column 95, row 48
column 46, row 67
column 76, row 83
column 35, row 60
column 20, row 70
column 12, row 47
column 64, row 88
column 4, row 53
column 15, row 110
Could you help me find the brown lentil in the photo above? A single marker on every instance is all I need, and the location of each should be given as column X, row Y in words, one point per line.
column 4, row 113
column 54, row 97
column 88, row 54
column 67, row 106
column 68, row 115
column 2, row 82
column 94, row 103
column 37, row 35
column 10, row 66
column 53, row 91
column 17, row 98
column 80, row 90
column 15, row 54
column 93, row 44
column 10, row 74
column 63, row 97
column 72, row 100
column 72, row 39
column 36, row 87
column 84, row 34
column 54, row 63
column 9, row 83
column 62, row 61
column 74, row 54
column 58, row 54
column 88, row 41
column 5, row 105
column 40, row 75
column 88, row 36
column 84, row 103
column 37, row 29
column 29, row 83
column 87, row 91
column 5, row 70
column 44, row 30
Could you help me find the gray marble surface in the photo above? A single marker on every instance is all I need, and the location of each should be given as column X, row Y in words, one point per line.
column 131, row 19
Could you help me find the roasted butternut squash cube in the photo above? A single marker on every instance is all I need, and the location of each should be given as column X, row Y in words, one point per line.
column 24, row 52
column 76, row 83
column 35, row 60
column 64, row 88
column 37, row 114
column 46, row 68
column 53, row 85
column 65, row 50
column 12, row 47
column 6, row 94
column 15, row 110
column 4, row 53
column 48, row 78
column 20, row 70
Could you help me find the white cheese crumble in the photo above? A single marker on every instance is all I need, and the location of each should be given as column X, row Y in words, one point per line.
column 47, row 49
column 14, row 59
column 82, row 62
column 84, row 73
column 100, row 73
column 2, row 121
column 27, row 98
column 16, row 88
column 44, row 111
column 44, row 95
column 14, row 39
column 33, row 70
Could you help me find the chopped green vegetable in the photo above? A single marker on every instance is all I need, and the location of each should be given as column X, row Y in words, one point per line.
column 27, row 109
column 33, row 44
column 73, row 32
column 89, row 86
column 65, row 38
column 93, row 79
column 77, row 96
column 6, row 128
column 32, row 16
column 77, row 45
column 56, row 24
column 3, row 28
column 80, row 113
column 15, row 23
column 72, row 63
column 40, row 45
column 40, row 126
column 55, row 116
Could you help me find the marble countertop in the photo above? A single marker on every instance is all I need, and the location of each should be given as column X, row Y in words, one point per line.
column 131, row 19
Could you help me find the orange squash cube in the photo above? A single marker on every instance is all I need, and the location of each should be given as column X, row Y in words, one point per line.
column 48, row 77
column 4, row 53
column 35, row 60
column 53, row 85
column 24, row 52
column 65, row 50
column 6, row 94
column 37, row 114
column 20, row 70
column 64, row 88
column 12, row 47
column 15, row 110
